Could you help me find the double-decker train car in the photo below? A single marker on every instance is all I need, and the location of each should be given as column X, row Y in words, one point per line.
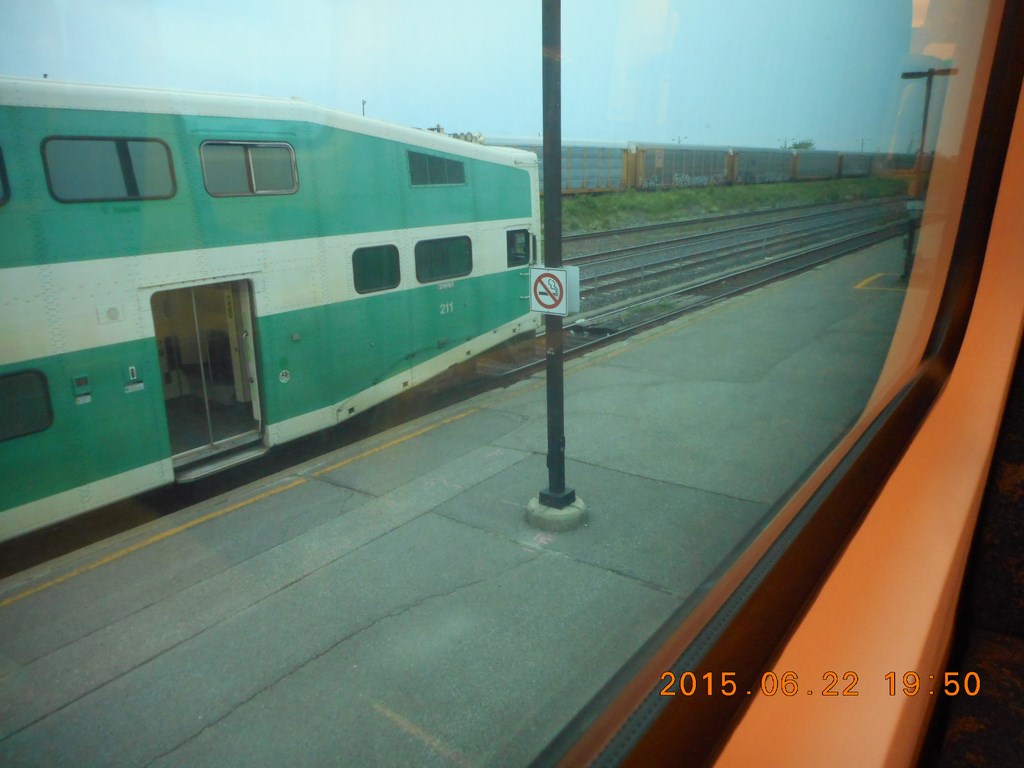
column 187, row 280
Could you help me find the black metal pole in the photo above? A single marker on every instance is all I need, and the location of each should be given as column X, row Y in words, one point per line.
column 924, row 132
column 908, row 256
column 556, row 495
column 929, row 75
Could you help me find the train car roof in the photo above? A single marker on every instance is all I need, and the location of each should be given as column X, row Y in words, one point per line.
column 53, row 94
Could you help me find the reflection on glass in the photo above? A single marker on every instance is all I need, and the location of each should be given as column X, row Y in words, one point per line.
column 405, row 612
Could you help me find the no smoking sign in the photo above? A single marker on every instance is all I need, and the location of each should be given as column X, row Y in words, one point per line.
column 555, row 291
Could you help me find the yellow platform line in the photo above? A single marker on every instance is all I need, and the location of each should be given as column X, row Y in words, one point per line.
column 149, row 542
column 396, row 441
column 866, row 284
column 221, row 512
column 450, row 754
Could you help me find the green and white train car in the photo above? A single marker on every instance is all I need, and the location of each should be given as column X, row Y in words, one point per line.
column 189, row 279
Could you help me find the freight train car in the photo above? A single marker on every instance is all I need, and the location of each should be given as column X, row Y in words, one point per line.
column 587, row 166
column 187, row 280
column 593, row 167
column 673, row 166
column 615, row 167
column 816, row 164
column 855, row 164
column 764, row 166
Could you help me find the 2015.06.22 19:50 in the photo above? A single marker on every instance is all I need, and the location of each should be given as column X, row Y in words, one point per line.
column 788, row 684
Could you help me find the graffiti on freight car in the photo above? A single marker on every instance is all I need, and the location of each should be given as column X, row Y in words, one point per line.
column 686, row 180
column 768, row 177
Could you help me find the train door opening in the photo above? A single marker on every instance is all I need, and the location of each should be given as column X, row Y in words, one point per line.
column 207, row 354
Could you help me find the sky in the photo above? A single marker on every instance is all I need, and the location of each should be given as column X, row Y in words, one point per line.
column 716, row 72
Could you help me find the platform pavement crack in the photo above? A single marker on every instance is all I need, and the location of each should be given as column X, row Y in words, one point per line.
column 284, row 586
column 340, row 641
column 236, row 564
column 224, row 619
column 719, row 494
column 204, row 580
column 556, row 553
column 228, row 616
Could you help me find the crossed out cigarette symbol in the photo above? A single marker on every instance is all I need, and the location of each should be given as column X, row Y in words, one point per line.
column 548, row 291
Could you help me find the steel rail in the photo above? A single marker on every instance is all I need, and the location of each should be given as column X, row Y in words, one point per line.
column 775, row 213
column 767, row 244
column 626, row 251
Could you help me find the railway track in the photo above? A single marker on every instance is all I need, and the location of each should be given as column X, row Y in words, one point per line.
column 587, row 244
column 656, row 282
column 632, row 270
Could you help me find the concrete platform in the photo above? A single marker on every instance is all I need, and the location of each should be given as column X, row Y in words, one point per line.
column 389, row 604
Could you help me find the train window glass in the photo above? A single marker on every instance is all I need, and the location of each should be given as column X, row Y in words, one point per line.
column 81, row 169
column 24, row 404
column 418, row 169
column 443, row 258
column 273, row 168
column 518, row 242
column 224, row 169
column 375, row 268
column 84, row 170
column 5, row 190
column 237, row 168
column 455, row 172
column 432, row 170
column 150, row 167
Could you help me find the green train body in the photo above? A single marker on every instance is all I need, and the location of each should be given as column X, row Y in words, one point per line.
column 190, row 279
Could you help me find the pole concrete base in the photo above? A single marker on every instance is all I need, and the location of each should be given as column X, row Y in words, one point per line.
column 553, row 519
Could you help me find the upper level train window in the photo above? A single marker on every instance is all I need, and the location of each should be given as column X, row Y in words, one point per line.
column 86, row 169
column 232, row 168
column 24, row 404
column 443, row 259
column 375, row 268
column 518, row 241
column 5, row 190
column 430, row 169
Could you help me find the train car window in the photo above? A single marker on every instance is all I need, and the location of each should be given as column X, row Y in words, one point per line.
column 431, row 170
column 224, row 169
column 376, row 268
column 273, row 168
column 24, row 404
column 518, row 241
column 232, row 169
column 5, row 190
column 151, row 167
column 443, row 258
column 86, row 169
